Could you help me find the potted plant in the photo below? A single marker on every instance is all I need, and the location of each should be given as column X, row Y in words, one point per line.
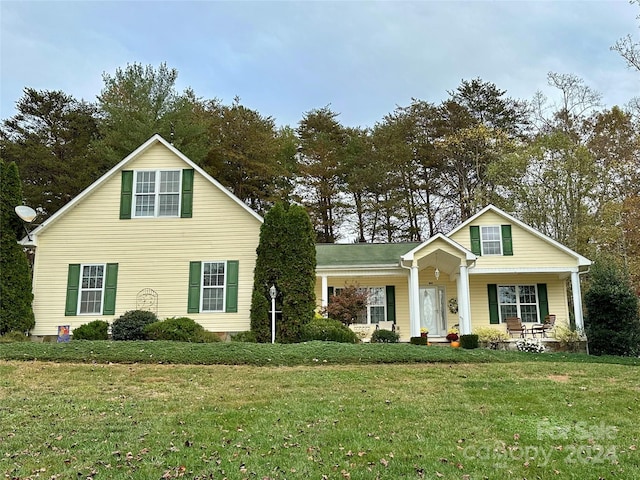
column 424, row 332
column 453, row 337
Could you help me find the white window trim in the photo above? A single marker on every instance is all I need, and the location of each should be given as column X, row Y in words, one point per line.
column 482, row 241
column 80, row 289
column 156, row 204
column 224, row 287
column 519, row 311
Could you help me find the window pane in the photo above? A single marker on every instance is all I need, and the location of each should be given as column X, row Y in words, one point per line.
column 507, row 311
column 213, row 275
column 529, row 313
column 169, row 205
column 376, row 296
column 145, row 182
column 212, row 299
column 90, row 301
column 145, row 205
column 170, row 182
column 507, row 294
column 491, row 248
column 377, row 314
column 527, row 294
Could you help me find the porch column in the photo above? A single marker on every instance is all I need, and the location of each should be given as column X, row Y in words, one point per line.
column 414, row 298
column 577, row 301
column 324, row 301
column 464, row 305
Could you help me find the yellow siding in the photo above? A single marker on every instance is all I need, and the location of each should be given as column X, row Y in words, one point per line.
column 151, row 252
column 528, row 250
column 556, row 292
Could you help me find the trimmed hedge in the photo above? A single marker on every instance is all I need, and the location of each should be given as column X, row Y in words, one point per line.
column 96, row 330
column 469, row 341
column 327, row 330
column 130, row 326
column 419, row 340
column 384, row 336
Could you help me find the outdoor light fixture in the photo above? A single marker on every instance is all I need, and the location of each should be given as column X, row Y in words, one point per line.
column 273, row 293
column 437, row 270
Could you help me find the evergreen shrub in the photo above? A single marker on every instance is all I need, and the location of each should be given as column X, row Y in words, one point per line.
column 469, row 341
column 96, row 330
column 384, row 336
column 11, row 337
column 181, row 329
column 327, row 330
column 247, row 336
column 130, row 326
column 419, row 340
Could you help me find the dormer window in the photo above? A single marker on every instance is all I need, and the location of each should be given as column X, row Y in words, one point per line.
column 157, row 193
column 491, row 240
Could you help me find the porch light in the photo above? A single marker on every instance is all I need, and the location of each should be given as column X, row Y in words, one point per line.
column 437, row 273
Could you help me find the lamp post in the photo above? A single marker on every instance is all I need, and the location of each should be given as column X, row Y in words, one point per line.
column 273, row 293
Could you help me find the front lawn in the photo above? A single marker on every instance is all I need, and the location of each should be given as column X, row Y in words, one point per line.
column 515, row 418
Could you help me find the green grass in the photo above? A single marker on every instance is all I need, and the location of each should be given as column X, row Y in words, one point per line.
column 240, row 353
column 495, row 415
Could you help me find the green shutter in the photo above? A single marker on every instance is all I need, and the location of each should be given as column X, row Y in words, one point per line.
column 126, row 194
column 507, row 243
column 187, row 193
column 193, row 304
column 232, row 287
column 73, row 280
column 330, row 293
column 110, row 284
column 494, row 316
column 543, row 301
column 391, row 303
column 475, row 240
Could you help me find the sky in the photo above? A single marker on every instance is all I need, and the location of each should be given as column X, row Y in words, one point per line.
column 362, row 58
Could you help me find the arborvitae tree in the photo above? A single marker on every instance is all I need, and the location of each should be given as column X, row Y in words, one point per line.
column 268, row 271
column 286, row 259
column 612, row 321
column 16, row 313
column 299, row 274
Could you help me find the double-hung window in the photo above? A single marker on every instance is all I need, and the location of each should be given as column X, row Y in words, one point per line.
column 213, row 283
column 91, row 289
column 157, row 193
column 491, row 240
column 518, row 301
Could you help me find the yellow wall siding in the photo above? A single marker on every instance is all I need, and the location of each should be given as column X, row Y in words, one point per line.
column 151, row 252
column 556, row 293
column 401, row 289
column 528, row 250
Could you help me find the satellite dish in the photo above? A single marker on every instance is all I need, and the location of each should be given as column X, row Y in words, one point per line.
column 25, row 213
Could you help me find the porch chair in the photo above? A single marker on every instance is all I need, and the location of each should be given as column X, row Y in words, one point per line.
column 541, row 328
column 514, row 325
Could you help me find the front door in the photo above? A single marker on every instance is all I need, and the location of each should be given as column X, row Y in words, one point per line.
column 432, row 312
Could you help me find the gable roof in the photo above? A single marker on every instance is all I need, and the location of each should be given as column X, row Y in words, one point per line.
column 361, row 254
column 582, row 261
column 155, row 139
column 469, row 256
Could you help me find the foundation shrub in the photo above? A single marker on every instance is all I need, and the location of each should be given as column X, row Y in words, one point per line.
column 181, row 329
column 327, row 330
column 384, row 336
column 419, row 340
column 96, row 330
column 130, row 326
column 469, row 341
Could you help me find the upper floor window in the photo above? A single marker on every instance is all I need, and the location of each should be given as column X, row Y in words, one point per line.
column 491, row 240
column 157, row 193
